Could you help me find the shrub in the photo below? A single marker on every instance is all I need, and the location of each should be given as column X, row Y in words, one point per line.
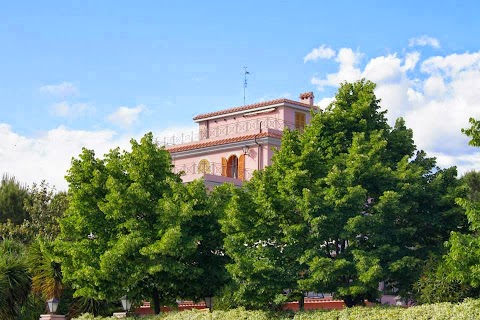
column 467, row 310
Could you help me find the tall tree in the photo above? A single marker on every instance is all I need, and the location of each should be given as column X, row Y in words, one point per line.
column 463, row 256
column 12, row 197
column 344, row 205
column 44, row 208
column 133, row 228
column 263, row 264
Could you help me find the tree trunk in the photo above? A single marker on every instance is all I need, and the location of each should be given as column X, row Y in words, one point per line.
column 156, row 300
column 301, row 303
column 351, row 301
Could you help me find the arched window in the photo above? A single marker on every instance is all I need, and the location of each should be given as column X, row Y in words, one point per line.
column 232, row 167
column 203, row 166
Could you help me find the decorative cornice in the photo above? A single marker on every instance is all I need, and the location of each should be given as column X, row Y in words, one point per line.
column 259, row 105
column 215, row 145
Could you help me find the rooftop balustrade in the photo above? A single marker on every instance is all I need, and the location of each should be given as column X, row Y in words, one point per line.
column 229, row 129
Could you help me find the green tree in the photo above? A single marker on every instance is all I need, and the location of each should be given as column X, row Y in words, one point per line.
column 436, row 284
column 46, row 279
column 44, row 208
column 473, row 132
column 262, row 265
column 17, row 232
column 133, row 228
column 463, row 256
column 344, row 205
column 12, row 197
column 44, row 268
column 14, row 279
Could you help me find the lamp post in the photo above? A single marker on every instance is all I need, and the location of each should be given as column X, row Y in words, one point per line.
column 126, row 305
column 209, row 303
column 52, row 305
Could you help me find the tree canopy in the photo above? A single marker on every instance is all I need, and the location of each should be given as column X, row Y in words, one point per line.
column 12, row 197
column 463, row 256
column 133, row 228
column 345, row 204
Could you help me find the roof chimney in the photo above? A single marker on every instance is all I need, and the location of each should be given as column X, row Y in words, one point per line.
column 307, row 98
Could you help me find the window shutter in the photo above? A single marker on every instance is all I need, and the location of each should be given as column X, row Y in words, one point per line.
column 241, row 167
column 224, row 167
column 300, row 121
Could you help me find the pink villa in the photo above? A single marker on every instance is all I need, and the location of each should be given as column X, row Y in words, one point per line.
column 232, row 143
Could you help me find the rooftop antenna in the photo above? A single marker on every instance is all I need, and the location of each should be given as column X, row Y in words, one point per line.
column 245, row 83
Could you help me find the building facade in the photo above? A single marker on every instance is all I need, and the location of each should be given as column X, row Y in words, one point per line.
column 232, row 143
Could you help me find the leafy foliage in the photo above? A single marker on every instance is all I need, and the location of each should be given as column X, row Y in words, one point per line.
column 469, row 309
column 18, row 232
column 45, row 270
column 435, row 285
column 463, row 256
column 344, row 205
column 12, row 196
column 44, row 208
column 133, row 228
column 473, row 132
column 14, row 279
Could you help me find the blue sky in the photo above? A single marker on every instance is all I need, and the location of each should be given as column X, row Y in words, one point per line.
column 96, row 73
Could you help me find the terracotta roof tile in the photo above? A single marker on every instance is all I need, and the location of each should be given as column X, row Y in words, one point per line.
column 212, row 143
column 252, row 106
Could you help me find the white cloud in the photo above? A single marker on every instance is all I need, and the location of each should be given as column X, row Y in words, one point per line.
column 424, row 41
column 452, row 64
column 125, row 116
column 322, row 104
column 434, row 87
column 66, row 109
column 383, row 69
column 464, row 162
column 63, row 89
column 48, row 155
column 348, row 70
column 411, row 60
column 322, row 52
column 435, row 102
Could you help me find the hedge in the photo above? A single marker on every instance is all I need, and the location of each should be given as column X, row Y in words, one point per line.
column 469, row 309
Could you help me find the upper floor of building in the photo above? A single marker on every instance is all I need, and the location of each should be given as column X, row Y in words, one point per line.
column 232, row 143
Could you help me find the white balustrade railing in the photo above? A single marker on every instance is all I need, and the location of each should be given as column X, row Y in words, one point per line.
column 218, row 131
